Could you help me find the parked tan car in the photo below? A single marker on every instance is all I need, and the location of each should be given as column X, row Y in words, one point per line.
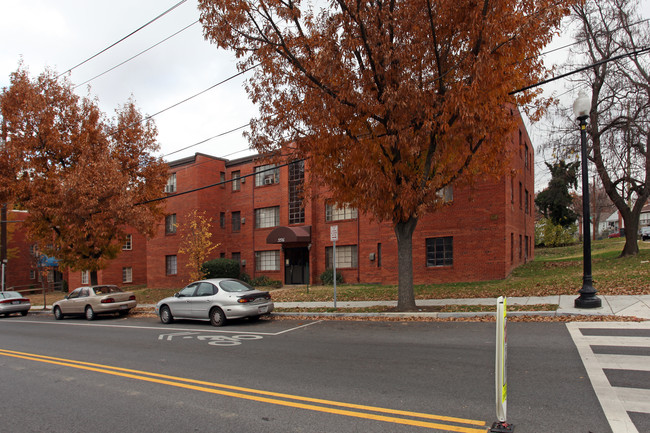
column 93, row 300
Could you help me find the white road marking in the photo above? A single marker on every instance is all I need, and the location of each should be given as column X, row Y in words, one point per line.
column 615, row 401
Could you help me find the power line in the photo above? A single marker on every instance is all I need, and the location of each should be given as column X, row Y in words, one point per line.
column 124, row 38
column 137, row 55
column 208, row 139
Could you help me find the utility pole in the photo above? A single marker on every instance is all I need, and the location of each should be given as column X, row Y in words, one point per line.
column 3, row 244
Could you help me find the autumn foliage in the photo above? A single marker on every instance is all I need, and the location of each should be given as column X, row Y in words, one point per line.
column 391, row 101
column 196, row 243
column 78, row 173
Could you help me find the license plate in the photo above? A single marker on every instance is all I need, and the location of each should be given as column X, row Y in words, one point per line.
column 15, row 302
column 263, row 309
column 124, row 307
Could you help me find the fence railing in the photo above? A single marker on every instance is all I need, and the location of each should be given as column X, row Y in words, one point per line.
column 30, row 289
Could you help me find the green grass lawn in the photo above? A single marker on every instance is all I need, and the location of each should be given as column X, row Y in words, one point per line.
column 555, row 271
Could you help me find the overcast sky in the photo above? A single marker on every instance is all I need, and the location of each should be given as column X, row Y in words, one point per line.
column 59, row 34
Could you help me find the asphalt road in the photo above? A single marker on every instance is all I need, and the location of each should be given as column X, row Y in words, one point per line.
column 135, row 374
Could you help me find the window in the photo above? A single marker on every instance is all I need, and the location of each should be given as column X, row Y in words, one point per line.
column 32, row 274
column 170, row 265
column 520, row 196
column 520, row 248
column 446, row 194
column 335, row 213
column 267, row 260
column 236, row 180
column 222, row 220
column 85, row 277
column 346, row 257
column 525, row 155
column 296, row 188
column 127, row 275
column 171, row 183
column 526, row 204
column 236, row 257
column 267, row 217
column 128, row 243
column 379, row 255
column 170, row 224
column 236, row 222
column 33, row 250
column 222, row 179
column 440, row 251
column 267, row 175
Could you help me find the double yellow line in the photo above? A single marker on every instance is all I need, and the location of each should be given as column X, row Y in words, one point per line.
column 307, row 403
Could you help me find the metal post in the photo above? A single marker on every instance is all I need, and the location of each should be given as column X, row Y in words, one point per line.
column 334, row 265
column 3, row 241
column 588, row 298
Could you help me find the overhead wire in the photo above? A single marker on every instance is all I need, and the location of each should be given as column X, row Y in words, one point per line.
column 123, row 38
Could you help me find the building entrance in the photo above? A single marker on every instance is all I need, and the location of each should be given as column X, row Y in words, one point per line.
column 296, row 265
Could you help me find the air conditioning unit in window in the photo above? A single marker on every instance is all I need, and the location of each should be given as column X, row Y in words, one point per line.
column 268, row 181
column 170, row 188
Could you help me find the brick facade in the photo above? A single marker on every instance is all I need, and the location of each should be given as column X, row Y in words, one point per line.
column 483, row 234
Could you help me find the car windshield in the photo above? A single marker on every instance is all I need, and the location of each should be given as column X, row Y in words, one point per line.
column 235, row 286
column 11, row 295
column 104, row 290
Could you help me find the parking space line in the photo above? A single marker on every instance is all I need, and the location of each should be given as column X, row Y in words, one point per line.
column 171, row 328
column 306, row 403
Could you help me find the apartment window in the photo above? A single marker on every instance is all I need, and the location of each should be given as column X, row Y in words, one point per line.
column 85, row 277
column 33, row 250
column 526, row 204
column 236, row 180
column 267, row 217
column 171, row 183
column 296, row 188
column 127, row 275
column 379, row 255
column 32, row 274
column 440, row 251
column 446, row 194
column 526, row 155
column 512, row 189
column 267, row 260
column 267, row 175
column 236, row 222
column 335, row 213
column 236, row 257
column 128, row 243
column 170, row 224
column 520, row 247
column 170, row 265
column 222, row 220
column 222, row 179
column 346, row 257
column 521, row 201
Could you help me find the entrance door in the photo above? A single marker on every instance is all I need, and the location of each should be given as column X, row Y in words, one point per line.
column 296, row 265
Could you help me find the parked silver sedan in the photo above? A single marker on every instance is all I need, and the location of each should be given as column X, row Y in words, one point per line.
column 216, row 300
column 94, row 300
column 13, row 302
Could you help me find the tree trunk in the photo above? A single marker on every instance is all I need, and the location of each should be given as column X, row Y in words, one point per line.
column 93, row 278
column 631, row 247
column 404, row 232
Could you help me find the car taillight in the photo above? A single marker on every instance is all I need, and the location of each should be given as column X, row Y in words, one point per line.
column 5, row 301
column 108, row 300
column 243, row 300
column 132, row 298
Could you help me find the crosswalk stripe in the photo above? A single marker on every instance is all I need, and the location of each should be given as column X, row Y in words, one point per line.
column 634, row 399
column 617, row 341
column 624, row 362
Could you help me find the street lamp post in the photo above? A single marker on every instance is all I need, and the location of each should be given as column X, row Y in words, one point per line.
column 588, row 298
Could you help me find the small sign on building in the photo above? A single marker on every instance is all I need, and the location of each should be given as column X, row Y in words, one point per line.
column 334, row 233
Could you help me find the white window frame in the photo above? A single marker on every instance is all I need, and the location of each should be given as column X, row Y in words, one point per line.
column 334, row 212
column 170, row 187
column 267, row 260
column 85, row 277
column 128, row 243
column 267, row 175
column 347, row 257
column 267, row 217
column 127, row 274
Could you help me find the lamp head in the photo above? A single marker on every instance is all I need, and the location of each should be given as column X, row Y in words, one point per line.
column 582, row 105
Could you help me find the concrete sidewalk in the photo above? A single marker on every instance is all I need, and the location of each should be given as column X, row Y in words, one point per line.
column 635, row 306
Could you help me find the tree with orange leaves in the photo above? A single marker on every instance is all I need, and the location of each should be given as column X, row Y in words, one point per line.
column 79, row 174
column 390, row 100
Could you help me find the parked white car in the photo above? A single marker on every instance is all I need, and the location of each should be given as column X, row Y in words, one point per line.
column 645, row 233
column 216, row 300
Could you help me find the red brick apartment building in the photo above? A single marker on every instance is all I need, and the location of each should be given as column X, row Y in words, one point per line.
column 259, row 219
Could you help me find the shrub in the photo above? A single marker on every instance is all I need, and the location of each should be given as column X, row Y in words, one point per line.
column 264, row 281
column 327, row 277
column 548, row 234
column 221, row 268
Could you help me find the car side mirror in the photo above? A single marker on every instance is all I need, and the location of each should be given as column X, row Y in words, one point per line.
column 177, row 295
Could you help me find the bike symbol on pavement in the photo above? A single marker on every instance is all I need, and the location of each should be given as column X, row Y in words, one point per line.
column 214, row 340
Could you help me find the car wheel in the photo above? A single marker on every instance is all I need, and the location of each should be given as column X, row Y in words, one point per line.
column 23, row 313
column 58, row 315
column 123, row 312
column 217, row 317
column 166, row 315
column 90, row 313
